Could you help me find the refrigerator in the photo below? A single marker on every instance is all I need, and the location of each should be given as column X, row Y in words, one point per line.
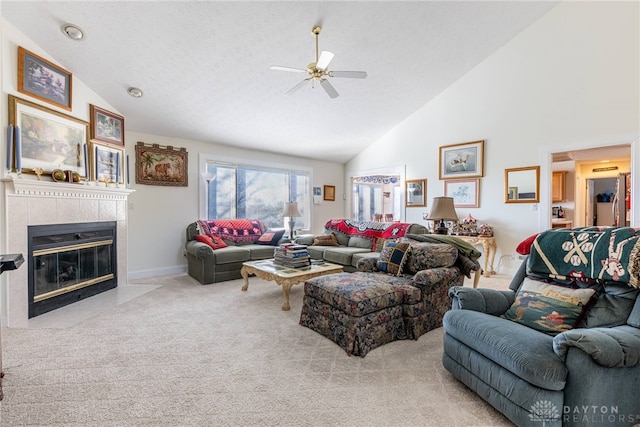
column 621, row 209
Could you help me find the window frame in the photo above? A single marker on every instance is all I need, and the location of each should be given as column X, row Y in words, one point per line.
column 205, row 159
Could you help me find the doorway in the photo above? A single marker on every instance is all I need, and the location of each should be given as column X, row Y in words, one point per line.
column 585, row 168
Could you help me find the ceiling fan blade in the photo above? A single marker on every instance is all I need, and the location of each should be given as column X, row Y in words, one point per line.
column 349, row 74
column 328, row 87
column 296, row 87
column 325, row 58
column 294, row 70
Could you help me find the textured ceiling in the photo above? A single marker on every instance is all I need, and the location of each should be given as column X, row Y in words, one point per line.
column 204, row 66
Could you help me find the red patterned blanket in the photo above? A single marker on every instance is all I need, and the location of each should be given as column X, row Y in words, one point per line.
column 235, row 230
column 370, row 229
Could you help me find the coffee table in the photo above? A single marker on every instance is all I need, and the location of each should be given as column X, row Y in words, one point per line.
column 285, row 276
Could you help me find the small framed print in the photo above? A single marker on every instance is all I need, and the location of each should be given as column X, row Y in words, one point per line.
column 106, row 126
column 330, row 193
column 107, row 163
column 465, row 192
column 43, row 80
column 416, row 193
column 462, row 160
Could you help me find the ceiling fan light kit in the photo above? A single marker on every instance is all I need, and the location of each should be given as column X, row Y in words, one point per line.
column 318, row 71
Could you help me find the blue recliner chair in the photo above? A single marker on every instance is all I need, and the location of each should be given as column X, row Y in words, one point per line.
column 562, row 346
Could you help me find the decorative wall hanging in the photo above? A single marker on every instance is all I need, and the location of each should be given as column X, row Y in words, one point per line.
column 330, row 193
column 465, row 192
column 44, row 80
column 106, row 126
column 47, row 139
column 161, row 165
column 416, row 193
column 462, row 160
column 107, row 163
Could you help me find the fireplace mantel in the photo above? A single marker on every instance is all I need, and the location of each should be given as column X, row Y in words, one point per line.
column 29, row 202
column 33, row 187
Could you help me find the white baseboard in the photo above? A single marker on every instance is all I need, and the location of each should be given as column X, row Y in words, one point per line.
column 167, row 271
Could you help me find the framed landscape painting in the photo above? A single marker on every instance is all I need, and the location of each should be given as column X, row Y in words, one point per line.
column 106, row 126
column 43, row 80
column 47, row 139
column 465, row 192
column 461, row 160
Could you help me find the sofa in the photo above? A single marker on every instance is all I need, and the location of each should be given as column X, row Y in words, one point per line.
column 401, row 293
column 216, row 249
column 561, row 346
column 354, row 240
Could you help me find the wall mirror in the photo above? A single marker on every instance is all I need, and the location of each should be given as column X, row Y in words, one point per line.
column 522, row 185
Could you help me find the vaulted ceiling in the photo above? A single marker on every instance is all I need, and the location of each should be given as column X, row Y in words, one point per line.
column 204, row 66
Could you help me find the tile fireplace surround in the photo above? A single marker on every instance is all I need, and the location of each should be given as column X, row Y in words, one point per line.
column 28, row 201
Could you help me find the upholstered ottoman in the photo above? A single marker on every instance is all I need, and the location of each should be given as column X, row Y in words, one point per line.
column 356, row 312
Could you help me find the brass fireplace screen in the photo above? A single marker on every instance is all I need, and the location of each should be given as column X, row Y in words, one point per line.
column 70, row 264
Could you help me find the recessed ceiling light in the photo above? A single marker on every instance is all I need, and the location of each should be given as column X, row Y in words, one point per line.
column 135, row 92
column 73, row 32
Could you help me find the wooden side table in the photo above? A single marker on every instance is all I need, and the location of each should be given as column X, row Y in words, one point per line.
column 489, row 251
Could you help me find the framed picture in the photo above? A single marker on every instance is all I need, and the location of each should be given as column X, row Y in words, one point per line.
column 107, row 163
column 416, row 193
column 462, row 160
column 106, row 126
column 47, row 139
column 44, row 80
column 330, row 193
column 161, row 165
column 465, row 192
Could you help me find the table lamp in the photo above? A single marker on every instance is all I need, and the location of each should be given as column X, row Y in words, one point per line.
column 291, row 211
column 442, row 210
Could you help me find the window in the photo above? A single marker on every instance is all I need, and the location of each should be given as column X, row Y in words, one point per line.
column 257, row 192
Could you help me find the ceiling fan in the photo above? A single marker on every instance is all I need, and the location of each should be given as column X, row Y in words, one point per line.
column 318, row 71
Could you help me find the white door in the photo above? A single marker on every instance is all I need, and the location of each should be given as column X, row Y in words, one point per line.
column 589, row 204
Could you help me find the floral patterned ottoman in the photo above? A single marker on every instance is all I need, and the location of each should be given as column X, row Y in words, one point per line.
column 358, row 313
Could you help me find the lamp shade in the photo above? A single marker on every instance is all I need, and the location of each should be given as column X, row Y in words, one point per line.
column 442, row 209
column 291, row 210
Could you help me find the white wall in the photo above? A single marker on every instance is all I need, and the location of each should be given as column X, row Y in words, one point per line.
column 568, row 80
column 158, row 215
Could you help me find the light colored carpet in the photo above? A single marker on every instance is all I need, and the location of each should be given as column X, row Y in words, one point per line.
column 184, row 354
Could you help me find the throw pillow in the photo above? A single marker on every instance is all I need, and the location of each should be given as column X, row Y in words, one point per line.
column 212, row 240
column 393, row 257
column 379, row 244
column 548, row 308
column 524, row 247
column 271, row 237
column 325, row 240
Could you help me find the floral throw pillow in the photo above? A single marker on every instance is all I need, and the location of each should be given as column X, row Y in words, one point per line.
column 549, row 308
column 393, row 257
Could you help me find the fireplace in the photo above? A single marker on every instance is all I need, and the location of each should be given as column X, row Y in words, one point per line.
column 69, row 262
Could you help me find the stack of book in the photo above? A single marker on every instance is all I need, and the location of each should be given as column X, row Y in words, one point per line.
column 292, row 255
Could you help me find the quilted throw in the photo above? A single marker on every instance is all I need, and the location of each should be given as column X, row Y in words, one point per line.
column 234, row 230
column 588, row 254
column 370, row 229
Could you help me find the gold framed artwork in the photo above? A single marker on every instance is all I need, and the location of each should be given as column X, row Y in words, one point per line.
column 107, row 163
column 330, row 193
column 43, row 79
column 106, row 126
column 46, row 140
column 416, row 193
column 462, row 160
column 465, row 192
column 161, row 165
